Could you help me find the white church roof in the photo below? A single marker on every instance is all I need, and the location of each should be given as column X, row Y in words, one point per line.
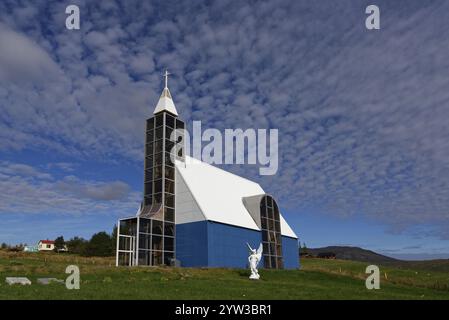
column 205, row 192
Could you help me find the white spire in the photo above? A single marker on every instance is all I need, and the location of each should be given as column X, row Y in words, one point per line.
column 165, row 102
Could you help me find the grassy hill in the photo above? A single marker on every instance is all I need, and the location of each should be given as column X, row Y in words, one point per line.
column 368, row 256
column 318, row 279
column 352, row 253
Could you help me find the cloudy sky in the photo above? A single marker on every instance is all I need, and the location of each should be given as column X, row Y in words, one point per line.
column 362, row 115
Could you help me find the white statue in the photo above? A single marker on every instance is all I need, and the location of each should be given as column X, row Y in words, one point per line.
column 254, row 259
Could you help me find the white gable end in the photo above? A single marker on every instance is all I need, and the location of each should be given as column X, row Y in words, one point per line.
column 186, row 207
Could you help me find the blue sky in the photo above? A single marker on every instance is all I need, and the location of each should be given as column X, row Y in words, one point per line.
column 362, row 115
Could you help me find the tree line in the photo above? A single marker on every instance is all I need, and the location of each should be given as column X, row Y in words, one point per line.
column 101, row 244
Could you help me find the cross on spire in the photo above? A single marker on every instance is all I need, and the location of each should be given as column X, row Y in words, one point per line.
column 166, row 74
column 165, row 102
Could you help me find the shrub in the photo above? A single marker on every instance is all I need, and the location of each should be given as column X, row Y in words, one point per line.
column 100, row 245
column 77, row 245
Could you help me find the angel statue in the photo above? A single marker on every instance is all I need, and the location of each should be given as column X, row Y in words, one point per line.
column 254, row 259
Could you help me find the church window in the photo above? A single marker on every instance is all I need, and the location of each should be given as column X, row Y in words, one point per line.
column 271, row 233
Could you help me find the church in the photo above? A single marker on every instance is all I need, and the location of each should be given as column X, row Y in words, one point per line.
column 194, row 214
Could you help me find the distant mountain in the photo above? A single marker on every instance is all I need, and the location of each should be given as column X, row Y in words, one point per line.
column 351, row 253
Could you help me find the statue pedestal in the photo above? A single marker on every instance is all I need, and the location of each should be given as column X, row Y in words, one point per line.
column 254, row 277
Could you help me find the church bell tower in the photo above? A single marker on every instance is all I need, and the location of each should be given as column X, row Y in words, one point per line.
column 158, row 204
column 150, row 237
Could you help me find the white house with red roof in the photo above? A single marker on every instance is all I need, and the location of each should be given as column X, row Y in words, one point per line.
column 46, row 245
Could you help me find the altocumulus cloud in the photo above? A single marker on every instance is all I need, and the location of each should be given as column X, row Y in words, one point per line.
column 23, row 61
column 115, row 190
column 362, row 115
column 25, row 189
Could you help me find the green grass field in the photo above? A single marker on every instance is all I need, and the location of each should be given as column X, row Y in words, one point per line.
column 318, row 279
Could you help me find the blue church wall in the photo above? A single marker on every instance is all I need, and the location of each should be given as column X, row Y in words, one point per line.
column 290, row 252
column 227, row 245
column 213, row 244
column 191, row 244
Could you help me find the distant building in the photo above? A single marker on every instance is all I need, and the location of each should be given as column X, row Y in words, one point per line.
column 196, row 214
column 31, row 249
column 46, row 245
